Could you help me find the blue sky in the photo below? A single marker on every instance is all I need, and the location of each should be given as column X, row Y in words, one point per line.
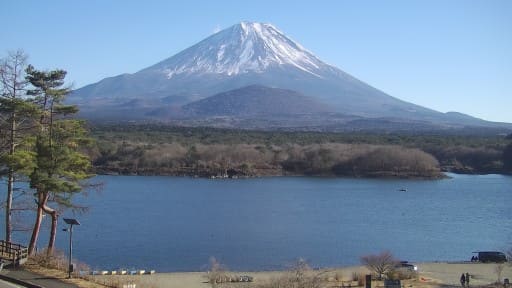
column 446, row 55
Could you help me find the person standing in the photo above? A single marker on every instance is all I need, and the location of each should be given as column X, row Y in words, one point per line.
column 467, row 279
column 463, row 280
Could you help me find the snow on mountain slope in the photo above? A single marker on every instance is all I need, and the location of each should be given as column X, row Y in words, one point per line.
column 245, row 54
column 242, row 48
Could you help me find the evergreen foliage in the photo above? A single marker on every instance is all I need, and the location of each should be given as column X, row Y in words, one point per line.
column 60, row 163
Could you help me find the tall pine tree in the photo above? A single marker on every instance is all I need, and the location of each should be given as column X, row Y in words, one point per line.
column 60, row 164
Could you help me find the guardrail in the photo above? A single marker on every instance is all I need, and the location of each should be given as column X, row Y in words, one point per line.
column 16, row 254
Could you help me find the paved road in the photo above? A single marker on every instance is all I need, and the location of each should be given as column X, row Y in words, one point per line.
column 34, row 278
column 4, row 284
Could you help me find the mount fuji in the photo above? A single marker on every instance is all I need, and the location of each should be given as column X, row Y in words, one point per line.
column 236, row 60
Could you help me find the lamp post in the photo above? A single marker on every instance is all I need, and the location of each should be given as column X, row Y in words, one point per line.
column 71, row 222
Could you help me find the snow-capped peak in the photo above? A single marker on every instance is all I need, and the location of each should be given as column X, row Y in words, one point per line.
column 242, row 48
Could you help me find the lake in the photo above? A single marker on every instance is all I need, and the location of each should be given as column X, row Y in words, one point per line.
column 177, row 224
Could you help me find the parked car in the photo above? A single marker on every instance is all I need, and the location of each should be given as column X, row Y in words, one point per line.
column 405, row 265
column 491, row 256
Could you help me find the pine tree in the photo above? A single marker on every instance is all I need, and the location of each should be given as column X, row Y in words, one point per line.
column 60, row 164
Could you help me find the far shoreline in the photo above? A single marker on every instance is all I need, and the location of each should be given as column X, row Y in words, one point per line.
column 377, row 175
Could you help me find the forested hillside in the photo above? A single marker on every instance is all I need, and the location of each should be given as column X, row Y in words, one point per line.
column 206, row 152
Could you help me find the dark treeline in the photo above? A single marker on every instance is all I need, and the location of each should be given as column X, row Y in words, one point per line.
column 167, row 150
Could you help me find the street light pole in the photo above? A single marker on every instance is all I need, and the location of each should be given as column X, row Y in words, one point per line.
column 71, row 222
column 70, row 250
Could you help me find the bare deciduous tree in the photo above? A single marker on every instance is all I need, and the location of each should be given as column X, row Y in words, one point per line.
column 380, row 263
column 509, row 255
column 303, row 278
column 498, row 269
column 15, row 112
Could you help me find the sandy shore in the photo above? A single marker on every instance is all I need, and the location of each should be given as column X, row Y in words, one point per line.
column 430, row 275
column 449, row 273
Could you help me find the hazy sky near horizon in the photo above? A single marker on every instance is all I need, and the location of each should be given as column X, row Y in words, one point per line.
column 445, row 55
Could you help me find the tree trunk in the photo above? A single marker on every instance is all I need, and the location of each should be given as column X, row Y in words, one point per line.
column 10, row 182
column 53, row 230
column 37, row 225
column 42, row 198
column 8, row 206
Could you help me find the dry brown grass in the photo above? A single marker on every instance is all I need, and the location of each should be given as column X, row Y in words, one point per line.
column 56, row 265
column 61, row 275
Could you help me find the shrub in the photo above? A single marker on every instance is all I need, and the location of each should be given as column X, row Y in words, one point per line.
column 401, row 275
column 57, row 260
column 217, row 273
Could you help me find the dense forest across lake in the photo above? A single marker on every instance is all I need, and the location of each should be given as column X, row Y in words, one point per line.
column 152, row 149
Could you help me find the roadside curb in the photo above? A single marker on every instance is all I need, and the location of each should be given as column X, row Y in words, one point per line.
column 19, row 282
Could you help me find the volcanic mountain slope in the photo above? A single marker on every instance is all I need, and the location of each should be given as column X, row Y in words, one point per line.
column 255, row 100
column 248, row 53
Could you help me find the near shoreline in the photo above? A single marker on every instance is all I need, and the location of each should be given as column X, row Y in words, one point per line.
column 431, row 275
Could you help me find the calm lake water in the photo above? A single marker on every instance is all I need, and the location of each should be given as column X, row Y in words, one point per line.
column 177, row 224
